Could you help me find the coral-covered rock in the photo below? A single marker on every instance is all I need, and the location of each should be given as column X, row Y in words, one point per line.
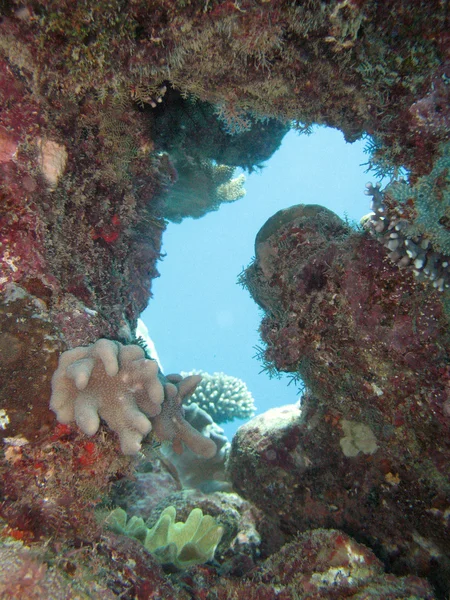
column 370, row 449
column 81, row 178
column 29, row 349
column 76, row 184
column 114, row 567
column 318, row 564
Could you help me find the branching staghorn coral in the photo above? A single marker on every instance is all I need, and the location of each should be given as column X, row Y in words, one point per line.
column 181, row 545
column 118, row 384
column 222, row 396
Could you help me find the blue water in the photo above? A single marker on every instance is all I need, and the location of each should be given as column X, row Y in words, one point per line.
column 199, row 318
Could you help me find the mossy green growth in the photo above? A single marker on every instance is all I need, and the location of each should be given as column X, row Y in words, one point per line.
column 181, row 545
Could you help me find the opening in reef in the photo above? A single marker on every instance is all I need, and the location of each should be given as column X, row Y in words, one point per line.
column 199, row 318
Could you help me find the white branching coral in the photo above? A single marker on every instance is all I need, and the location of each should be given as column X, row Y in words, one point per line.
column 222, row 396
column 110, row 381
column 116, row 383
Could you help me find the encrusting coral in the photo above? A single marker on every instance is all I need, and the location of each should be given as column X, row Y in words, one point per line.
column 118, row 384
column 177, row 544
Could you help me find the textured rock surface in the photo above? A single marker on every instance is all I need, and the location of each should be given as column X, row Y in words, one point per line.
column 370, row 451
column 318, row 564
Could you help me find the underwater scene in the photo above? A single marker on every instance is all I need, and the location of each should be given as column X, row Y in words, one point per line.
column 225, row 299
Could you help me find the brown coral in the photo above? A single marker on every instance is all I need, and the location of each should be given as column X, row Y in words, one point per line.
column 171, row 424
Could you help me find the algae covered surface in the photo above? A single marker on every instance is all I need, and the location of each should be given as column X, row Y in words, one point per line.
column 118, row 117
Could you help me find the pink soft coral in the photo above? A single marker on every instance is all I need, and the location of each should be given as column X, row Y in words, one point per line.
column 116, row 383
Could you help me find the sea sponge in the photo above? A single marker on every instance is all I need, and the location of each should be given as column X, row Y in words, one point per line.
column 177, row 544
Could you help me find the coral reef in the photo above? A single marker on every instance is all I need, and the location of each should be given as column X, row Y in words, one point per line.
column 222, row 396
column 369, row 451
column 351, row 65
column 100, row 102
column 177, row 544
column 25, row 574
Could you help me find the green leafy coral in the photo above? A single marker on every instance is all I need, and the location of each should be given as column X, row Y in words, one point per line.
column 177, row 544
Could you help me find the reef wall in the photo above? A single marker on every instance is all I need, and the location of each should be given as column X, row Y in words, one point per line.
column 368, row 450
